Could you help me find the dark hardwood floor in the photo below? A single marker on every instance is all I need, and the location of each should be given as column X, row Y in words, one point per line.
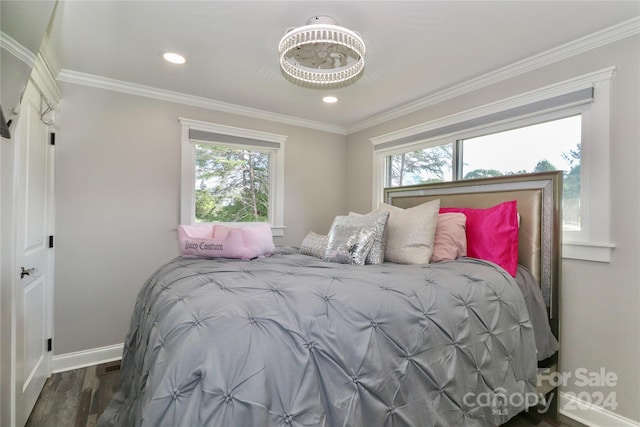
column 77, row 398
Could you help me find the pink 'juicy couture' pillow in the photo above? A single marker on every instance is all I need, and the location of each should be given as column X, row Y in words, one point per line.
column 492, row 234
column 218, row 241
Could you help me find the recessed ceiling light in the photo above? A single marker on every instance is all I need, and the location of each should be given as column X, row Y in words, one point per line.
column 330, row 99
column 174, row 58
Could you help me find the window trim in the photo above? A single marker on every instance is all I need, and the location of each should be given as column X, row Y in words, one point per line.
column 239, row 138
column 593, row 243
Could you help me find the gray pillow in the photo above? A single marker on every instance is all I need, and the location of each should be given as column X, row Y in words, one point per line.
column 314, row 244
column 351, row 239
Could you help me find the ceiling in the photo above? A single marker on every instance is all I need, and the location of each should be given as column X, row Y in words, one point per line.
column 415, row 49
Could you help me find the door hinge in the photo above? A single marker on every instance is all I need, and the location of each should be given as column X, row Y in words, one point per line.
column 49, row 344
column 52, row 138
column 50, row 241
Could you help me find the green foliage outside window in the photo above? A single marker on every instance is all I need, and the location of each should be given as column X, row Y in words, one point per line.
column 232, row 185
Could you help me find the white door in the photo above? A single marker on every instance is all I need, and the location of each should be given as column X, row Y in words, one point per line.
column 34, row 258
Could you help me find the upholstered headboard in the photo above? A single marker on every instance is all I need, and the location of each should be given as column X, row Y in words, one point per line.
column 538, row 199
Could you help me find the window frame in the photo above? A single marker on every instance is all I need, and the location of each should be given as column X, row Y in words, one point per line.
column 592, row 242
column 238, row 138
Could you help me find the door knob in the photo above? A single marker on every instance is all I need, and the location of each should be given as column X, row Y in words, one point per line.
column 26, row 272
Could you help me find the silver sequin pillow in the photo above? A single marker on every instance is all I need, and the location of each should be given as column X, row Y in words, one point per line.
column 352, row 237
column 379, row 220
column 314, row 244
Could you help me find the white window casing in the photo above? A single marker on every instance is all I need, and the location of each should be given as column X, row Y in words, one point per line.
column 194, row 131
column 588, row 95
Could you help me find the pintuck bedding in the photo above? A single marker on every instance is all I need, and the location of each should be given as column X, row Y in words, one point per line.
column 290, row 340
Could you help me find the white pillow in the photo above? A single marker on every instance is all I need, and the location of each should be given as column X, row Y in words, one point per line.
column 411, row 232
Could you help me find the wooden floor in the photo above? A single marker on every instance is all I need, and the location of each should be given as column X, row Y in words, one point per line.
column 77, row 398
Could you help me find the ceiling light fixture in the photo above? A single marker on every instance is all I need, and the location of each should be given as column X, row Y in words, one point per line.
column 322, row 53
column 174, row 58
column 330, row 99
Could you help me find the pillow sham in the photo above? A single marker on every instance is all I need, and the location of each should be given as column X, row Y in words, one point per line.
column 352, row 237
column 209, row 241
column 257, row 239
column 410, row 232
column 451, row 239
column 314, row 244
column 379, row 221
column 492, row 234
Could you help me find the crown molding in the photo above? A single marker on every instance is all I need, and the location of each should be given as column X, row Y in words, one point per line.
column 16, row 49
column 608, row 35
column 91, row 80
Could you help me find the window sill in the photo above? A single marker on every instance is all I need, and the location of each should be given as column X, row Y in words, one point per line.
column 587, row 251
column 276, row 230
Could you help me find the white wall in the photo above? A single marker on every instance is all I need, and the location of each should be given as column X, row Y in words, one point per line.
column 117, row 193
column 601, row 301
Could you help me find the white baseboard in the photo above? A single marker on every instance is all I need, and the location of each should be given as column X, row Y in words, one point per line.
column 82, row 359
column 591, row 415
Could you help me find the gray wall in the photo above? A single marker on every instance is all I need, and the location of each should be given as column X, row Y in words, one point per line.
column 601, row 301
column 117, row 201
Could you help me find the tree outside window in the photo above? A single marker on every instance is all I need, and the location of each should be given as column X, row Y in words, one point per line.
column 431, row 164
column 231, row 184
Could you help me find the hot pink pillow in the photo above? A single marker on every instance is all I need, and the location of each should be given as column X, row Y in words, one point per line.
column 209, row 241
column 492, row 234
column 451, row 238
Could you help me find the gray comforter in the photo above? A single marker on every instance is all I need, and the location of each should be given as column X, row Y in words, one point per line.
column 290, row 340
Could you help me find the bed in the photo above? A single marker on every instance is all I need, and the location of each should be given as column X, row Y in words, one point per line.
column 292, row 340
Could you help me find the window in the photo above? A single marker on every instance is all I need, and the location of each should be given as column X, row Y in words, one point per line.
column 547, row 146
column 538, row 147
column 430, row 164
column 554, row 128
column 231, row 175
column 231, row 185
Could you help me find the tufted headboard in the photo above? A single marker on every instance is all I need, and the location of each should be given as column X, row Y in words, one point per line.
column 538, row 198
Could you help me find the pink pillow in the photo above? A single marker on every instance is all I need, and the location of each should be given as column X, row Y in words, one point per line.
column 451, row 238
column 492, row 234
column 209, row 241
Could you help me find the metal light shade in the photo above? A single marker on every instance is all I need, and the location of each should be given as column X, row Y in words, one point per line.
column 321, row 52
